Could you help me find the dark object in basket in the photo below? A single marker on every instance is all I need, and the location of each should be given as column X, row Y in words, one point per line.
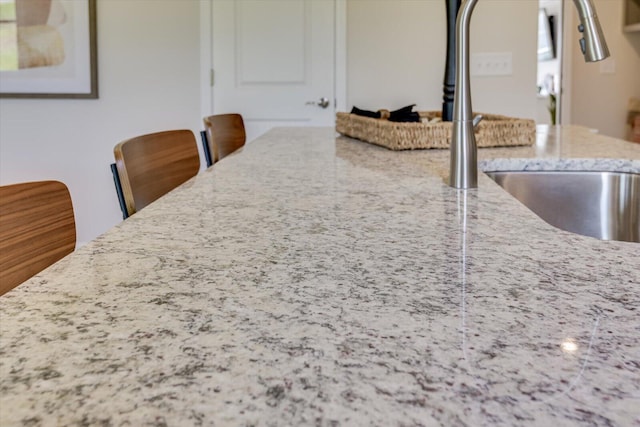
column 404, row 114
column 364, row 113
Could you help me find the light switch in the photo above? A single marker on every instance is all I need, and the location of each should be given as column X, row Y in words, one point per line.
column 491, row 64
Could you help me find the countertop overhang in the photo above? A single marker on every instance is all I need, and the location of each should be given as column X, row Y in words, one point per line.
column 312, row 279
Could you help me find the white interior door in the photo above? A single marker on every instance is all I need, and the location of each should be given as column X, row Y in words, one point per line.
column 274, row 62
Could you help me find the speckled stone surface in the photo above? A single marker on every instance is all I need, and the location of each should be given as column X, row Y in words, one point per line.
column 316, row 280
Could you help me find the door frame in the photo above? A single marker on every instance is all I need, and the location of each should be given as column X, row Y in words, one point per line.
column 207, row 66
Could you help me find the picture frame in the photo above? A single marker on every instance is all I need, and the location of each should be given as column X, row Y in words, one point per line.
column 546, row 42
column 67, row 66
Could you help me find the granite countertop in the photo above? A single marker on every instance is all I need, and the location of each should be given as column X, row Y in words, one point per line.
column 316, row 280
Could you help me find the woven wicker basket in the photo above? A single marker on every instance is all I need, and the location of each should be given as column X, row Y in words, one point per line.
column 492, row 131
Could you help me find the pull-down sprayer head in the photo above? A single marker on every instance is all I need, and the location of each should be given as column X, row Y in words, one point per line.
column 593, row 45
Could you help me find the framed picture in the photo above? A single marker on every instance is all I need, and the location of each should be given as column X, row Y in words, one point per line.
column 546, row 43
column 48, row 49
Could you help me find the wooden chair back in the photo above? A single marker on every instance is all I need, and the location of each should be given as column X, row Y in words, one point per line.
column 150, row 166
column 225, row 134
column 37, row 228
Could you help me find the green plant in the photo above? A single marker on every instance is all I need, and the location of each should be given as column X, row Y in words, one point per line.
column 552, row 107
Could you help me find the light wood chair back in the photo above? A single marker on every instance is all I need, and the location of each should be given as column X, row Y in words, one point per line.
column 37, row 228
column 225, row 134
column 151, row 165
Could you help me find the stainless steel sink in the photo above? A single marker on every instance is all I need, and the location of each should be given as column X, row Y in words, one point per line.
column 605, row 205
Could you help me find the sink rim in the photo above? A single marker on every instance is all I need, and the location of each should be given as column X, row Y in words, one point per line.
column 608, row 208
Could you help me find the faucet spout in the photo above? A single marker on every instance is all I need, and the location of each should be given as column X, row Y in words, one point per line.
column 463, row 168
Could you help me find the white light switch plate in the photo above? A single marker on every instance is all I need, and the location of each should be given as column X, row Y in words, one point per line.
column 491, row 64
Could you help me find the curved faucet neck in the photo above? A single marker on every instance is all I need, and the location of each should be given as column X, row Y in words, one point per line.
column 462, row 96
column 463, row 169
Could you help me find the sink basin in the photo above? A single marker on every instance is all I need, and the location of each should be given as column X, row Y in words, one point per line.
column 605, row 205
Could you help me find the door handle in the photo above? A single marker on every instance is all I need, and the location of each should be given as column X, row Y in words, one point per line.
column 323, row 103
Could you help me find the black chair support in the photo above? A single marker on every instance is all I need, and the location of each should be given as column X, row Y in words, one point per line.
column 205, row 148
column 116, row 181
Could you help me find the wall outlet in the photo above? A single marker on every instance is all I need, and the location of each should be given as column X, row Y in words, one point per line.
column 491, row 64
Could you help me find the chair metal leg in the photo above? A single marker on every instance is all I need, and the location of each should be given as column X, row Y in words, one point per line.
column 205, row 148
column 118, row 184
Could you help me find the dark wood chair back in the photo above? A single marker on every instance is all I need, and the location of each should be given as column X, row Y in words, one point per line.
column 37, row 228
column 224, row 134
column 150, row 166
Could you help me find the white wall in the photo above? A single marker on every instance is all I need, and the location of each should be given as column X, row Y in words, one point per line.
column 396, row 54
column 599, row 100
column 148, row 56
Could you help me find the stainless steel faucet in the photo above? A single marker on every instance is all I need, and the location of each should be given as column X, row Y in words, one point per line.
column 463, row 172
